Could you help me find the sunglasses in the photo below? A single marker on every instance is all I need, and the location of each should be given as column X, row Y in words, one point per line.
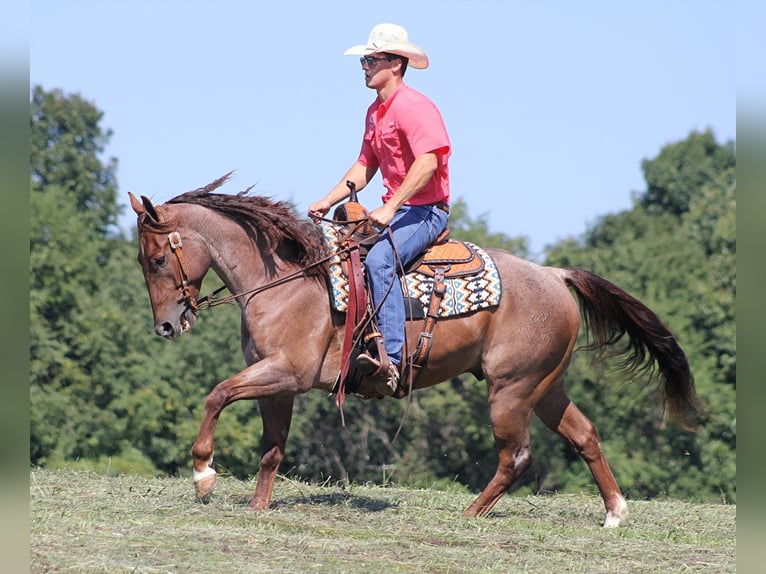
column 370, row 61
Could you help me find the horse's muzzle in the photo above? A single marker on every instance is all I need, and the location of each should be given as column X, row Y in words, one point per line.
column 171, row 331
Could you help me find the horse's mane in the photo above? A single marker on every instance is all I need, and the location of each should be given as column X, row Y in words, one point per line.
column 272, row 226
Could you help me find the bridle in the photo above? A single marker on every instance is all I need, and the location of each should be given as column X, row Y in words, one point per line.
column 176, row 246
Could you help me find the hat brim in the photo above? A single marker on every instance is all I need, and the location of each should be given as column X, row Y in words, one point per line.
column 417, row 57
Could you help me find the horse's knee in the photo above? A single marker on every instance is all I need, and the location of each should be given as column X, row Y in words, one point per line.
column 514, row 462
column 523, row 459
column 577, row 429
column 214, row 402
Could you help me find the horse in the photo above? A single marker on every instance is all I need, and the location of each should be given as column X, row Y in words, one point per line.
column 521, row 347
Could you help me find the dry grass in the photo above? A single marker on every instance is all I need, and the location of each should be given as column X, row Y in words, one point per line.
column 83, row 522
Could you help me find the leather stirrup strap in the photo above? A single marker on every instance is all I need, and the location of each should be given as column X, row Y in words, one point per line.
column 357, row 302
column 425, row 340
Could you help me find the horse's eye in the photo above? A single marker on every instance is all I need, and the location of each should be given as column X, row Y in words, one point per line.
column 159, row 262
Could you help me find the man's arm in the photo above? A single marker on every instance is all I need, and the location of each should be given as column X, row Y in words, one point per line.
column 421, row 171
column 358, row 173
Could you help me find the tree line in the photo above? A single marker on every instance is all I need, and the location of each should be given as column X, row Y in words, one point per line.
column 107, row 394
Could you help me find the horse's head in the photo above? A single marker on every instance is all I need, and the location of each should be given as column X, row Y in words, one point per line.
column 173, row 277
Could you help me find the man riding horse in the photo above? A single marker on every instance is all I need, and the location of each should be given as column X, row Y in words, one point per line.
column 521, row 345
column 406, row 139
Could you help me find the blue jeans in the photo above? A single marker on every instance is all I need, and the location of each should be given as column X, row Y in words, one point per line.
column 414, row 228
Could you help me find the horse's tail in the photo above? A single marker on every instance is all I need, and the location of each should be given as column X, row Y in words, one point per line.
column 609, row 313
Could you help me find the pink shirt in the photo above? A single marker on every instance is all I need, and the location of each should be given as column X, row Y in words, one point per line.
column 399, row 130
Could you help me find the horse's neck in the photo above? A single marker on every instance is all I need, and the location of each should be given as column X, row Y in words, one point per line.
column 233, row 257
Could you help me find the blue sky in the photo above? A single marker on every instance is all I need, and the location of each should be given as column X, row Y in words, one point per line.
column 551, row 106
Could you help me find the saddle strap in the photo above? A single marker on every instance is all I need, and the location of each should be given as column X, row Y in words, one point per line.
column 425, row 340
column 357, row 303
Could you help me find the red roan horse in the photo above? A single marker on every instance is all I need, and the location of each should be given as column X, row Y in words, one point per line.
column 292, row 340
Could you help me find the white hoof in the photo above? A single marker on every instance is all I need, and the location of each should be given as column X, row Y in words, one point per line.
column 617, row 517
column 205, row 480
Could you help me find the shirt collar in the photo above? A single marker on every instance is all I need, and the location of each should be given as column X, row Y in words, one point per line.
column 385, row 105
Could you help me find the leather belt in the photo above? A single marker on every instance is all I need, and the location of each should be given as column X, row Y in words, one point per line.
column 443, row 205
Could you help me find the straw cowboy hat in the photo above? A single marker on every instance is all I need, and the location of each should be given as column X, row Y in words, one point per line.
column 392, row 39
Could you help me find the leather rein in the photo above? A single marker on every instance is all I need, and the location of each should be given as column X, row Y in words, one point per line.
column 210, row 300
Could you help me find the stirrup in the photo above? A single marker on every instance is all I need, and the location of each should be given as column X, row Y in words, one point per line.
column 387, row 384
column 367, row 364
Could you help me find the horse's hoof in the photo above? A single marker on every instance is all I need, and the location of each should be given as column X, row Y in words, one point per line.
column 257, row 504
column 204, row 482
column 617, row 517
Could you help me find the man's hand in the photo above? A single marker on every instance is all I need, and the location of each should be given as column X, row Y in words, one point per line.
column 319, row 209
column 383, row 215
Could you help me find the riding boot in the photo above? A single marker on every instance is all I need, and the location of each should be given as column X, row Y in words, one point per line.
column 367, row 364
column 387, row 384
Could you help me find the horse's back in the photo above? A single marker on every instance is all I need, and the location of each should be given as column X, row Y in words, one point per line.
column 534, row 325
column 536, row 303
column 528, row 286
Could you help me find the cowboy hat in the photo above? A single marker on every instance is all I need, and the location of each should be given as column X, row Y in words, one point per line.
column 391, row 39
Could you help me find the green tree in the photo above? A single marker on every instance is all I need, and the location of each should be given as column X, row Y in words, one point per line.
column 105, row 392
column 80, row 340
column 683, row 169
column 70, row 214
column 67, row 142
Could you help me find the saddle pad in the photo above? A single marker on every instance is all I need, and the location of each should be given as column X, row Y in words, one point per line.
column 462, row 295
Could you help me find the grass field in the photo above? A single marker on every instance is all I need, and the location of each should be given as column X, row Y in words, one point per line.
column 84, row 522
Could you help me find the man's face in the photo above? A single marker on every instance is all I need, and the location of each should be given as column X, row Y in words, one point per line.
column 377, row 70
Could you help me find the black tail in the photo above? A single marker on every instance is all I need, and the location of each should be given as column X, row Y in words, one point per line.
column 609, row 313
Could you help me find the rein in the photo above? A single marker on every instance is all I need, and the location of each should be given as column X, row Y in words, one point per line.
column 210, row 300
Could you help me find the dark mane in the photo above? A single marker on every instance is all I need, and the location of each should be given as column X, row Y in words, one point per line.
column 272, row 226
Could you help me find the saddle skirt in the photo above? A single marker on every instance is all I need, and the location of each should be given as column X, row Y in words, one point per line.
column 471, row 279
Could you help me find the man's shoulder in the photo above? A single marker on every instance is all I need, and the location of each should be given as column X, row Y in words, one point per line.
column 409, row 100
column 412, row 95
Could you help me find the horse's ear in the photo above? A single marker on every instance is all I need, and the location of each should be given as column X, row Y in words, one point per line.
column 144, row 206
column 151, row 211
column 135, row 204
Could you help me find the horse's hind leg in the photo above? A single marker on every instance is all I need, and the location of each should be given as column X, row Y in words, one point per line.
column 561, row 415
column 510, row 418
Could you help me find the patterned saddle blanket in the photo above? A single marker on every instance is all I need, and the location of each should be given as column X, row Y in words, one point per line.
column 472, row 281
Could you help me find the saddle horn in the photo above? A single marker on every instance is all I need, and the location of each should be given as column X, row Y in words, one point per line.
column 351, row 191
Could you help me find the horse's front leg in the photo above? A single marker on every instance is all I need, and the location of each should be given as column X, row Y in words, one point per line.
column 270, row 377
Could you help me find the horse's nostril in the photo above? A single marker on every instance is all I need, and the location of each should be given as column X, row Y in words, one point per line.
column 164, row 330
